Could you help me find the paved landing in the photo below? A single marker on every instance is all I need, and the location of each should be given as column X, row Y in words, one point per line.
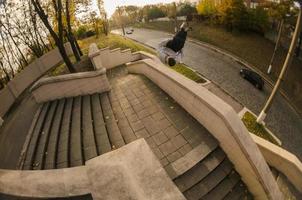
column 151, row 114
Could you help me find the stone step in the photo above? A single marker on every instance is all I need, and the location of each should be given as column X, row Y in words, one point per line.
column 237, row 193
column 122, row 122
column 50, row 154
column 62, row 160
column 35, row 137
column 199, row 171
column 224, row 187
column 75, row 150
column 210, row 181
column 102, row 140
column 113, row 131
column 88, row 137
column 43, row 138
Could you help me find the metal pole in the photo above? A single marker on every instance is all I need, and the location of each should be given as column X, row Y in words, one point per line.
column 287, row 63
column 276, row 46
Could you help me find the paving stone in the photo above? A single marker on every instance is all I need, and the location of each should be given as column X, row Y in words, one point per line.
column 158, row 153
column 158, row 116
column 136, row 125
column 174, row 156
column 151, row 125
column 129, row 111
column 171, row 132
column 178, row 141
column 150, row 142
column 185, row 149
column 167, row 148
column 132, row 118
column 160, row 138
column 142, row 133
column 138, row 107
column 143, row 113
column 164, row 123
column 164, row 162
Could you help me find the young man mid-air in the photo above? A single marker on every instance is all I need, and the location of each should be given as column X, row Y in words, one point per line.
column 170, row 51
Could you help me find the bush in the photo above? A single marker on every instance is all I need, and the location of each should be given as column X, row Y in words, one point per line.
column 81, row 32
column 186, row 9
column 258, row 20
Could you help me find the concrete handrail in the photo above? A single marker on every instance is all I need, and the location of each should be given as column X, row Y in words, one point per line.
column 282, row 160
column 221, row 121
column 66, row 77
column 70, row 85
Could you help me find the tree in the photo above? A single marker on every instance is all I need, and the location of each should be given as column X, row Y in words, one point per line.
column 233, row 14
column 206, row 7
column 57, row 37
column 69, row 33
column 172, row 14
column 154, row 12
column 103, row 15
column 186, row 9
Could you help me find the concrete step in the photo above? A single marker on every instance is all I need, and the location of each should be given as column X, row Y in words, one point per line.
column 113, row 131
column 75, row 151
column 43, row 138
column 89, row 141
column 102, row 139
column 224, row 187
column 200, row 171
column 237, row 193
column 35, row 137
column 209, row 182
column 62, row 160
column 51, row 152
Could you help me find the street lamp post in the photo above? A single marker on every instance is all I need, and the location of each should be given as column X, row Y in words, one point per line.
column 287, row 63
column 276, row 46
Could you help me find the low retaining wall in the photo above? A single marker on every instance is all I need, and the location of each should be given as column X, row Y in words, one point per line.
column 106, row 58
column 282, row 160
column 28, row 76
column 130, row 172
column 70, row 85
column 221, row 121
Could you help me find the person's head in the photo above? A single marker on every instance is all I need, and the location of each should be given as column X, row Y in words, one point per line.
column 171, row 61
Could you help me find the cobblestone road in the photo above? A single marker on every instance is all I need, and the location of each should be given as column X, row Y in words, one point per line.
column 282, row 119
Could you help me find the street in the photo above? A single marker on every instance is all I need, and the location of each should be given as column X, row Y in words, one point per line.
column 282, row 120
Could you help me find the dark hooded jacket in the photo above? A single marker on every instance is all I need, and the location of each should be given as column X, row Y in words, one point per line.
column 178, row 41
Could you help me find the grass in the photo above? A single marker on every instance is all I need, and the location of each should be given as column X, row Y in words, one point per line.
column 252, row 47
column 187, row 72
column 249, row 121
column 113, row 41
column 61, row 69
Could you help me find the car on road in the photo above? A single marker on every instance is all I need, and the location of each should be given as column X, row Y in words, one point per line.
column 252, row 77
column 130, row 31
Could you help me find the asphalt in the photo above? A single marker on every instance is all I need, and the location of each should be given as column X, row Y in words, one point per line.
column 282, row 119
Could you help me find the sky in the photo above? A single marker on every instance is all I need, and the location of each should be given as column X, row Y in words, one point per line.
column 110, row 5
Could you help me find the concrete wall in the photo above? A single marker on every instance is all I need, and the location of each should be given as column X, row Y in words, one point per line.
column 70, row 85
column 130, row 172
column 221, row 121
column 28, row 76
column 282, row 160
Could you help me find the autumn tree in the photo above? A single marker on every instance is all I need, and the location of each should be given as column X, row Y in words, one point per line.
column 57, row 37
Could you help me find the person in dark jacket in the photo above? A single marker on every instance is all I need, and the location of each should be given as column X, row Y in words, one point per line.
column 171, row 51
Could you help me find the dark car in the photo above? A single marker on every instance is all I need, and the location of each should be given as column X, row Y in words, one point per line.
column 253, row 78
column 130, row 31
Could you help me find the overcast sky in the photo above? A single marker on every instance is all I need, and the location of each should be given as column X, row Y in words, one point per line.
column 110, row 5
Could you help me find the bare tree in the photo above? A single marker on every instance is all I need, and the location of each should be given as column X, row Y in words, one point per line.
column 57, row 37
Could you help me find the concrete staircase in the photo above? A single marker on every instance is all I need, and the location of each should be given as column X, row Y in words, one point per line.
column 70, row 131
column 214, row 177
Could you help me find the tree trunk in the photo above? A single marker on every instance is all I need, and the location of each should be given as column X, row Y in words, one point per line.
column 66, row 58
column 70, row 36
column 78, row 47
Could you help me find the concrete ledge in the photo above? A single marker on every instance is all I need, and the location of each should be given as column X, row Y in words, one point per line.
column 93, row 51
column 45, row 184
column 282, row 160
column 130, row 172
column 221, row 121
column 70, row 85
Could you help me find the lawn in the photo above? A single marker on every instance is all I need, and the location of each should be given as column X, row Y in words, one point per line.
column 249, row 121
column 253, row 48
column 187, row 72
